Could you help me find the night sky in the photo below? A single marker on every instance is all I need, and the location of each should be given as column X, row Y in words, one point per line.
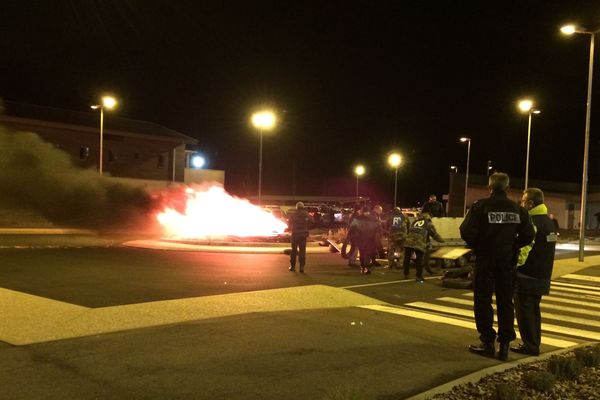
column 350, row 80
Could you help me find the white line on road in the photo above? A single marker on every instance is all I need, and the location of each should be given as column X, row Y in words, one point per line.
column 582, row 277
column 545, row 327
column 385, row 283
column 543, row 305
column 453, row 321
column 574, row 285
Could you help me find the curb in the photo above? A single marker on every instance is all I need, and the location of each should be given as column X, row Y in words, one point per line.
column 476, row 376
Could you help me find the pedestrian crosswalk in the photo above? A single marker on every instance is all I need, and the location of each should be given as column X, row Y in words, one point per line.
column 570, row 313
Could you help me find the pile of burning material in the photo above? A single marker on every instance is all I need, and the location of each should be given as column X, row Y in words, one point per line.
column 211, row 214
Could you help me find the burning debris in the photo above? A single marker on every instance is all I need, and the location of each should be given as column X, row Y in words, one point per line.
column 210, row 212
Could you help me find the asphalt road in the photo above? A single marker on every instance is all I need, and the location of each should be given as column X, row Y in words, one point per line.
column 301, row 354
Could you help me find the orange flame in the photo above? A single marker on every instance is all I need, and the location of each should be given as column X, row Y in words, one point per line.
column 212, row 212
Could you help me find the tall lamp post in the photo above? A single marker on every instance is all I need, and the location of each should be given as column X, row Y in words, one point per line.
column 263, row 121
column 359, row 171
column 109, row 103
column 468, row 140
column 569, row 30
column 526, row 105
column 394, row 160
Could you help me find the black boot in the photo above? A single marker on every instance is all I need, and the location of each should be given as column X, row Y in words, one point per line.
column 503, row 351
column 483, row 349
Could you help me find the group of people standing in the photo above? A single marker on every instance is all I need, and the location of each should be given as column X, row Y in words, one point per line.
column 514, row 248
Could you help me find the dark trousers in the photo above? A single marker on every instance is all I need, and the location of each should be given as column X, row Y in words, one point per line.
column 490, row 278
column 529, row 318
column 298, row 250
column 366, row 251
column 420, row 256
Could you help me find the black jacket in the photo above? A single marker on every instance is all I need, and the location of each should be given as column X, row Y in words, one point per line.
column 298, row 223
column 496, row 228
column 533, row 277
column 435, row 209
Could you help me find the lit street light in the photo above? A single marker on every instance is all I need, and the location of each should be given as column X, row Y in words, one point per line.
column 264, row 121
column 569, row 30
column 395, row 160
column 526, row 106
column 468, row 140
column 454, row 169
column 359, row 171
column 109, row 103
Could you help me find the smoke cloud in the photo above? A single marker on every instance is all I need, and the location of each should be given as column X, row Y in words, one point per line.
column 36, row 176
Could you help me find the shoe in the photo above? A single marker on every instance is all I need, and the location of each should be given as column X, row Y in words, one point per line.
column 367, row 271
column 483, row 349
column 522, row 349
column 301, row 270
column 292, row 269
column 503, row 351
column 420, row 280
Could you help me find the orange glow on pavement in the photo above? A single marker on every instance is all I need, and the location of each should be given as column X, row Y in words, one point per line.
column 213, row 213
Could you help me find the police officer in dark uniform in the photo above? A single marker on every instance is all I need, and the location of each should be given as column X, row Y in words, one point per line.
column 534, row 271
column 434, row 207
column 496, row 228
column 298, row 225
column 419, row 236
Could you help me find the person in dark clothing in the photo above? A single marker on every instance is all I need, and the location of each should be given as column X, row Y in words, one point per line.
column 351, row 239
column 554, row 222
column 434, row 207
column 379, row 251
column 298, row 225
column 366, row 231
column 534, row 271
column 597, row 215
column 419, row 236
column 397, row 226
column 496, row 228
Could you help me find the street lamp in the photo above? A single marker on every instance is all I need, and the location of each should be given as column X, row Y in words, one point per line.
column 109, row 103
column 263, row 121
column 359, row 171
column 454, row 169
column 468, row 140
column 395, row 160
column 526, row 106
column 569, row 30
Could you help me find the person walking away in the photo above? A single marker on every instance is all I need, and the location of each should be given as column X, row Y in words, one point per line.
column 366, row 231
column 351, row 239
column 434, row 207
column 534, row 271
column 397, row 230
column 495, row 228
column 379, row 251
column 298, row 225
column 419, row 236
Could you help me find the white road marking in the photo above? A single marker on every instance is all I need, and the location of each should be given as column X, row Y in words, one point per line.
column 454, row 321
column 582, row 277
column 574, row 285
column 545, row 327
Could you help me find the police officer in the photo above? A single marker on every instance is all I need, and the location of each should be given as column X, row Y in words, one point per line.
column 298, row 225
column 418, row 239
column 496, row 228
column 534, row 270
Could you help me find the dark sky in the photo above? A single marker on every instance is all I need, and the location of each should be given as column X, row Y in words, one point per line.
column 351, row 81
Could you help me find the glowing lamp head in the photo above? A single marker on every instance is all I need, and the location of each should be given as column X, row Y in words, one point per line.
column 198, row 161
column 568, row 29
column 359, row 170
column 454, row 168
column 395, row 160
column 465, row 139
column 264, row 120
column 525, row 105
column 109, row 102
